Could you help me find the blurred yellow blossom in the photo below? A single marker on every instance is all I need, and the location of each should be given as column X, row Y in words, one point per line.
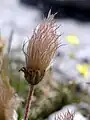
column 83, row 69
column 72, row 39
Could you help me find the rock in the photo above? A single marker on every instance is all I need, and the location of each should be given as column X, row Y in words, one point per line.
column 84, row 54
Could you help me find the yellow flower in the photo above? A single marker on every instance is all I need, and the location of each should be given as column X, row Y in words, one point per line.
column 73, row 40
column 83, row 69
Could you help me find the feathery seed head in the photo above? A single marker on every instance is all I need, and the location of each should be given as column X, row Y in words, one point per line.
column 40, row 50
column 65, row 115
column 8, row 101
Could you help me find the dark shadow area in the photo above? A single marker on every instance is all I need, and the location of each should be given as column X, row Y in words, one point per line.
column 75, row 9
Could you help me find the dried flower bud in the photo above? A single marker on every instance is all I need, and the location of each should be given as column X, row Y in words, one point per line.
column 40, row 51
column 65, row 116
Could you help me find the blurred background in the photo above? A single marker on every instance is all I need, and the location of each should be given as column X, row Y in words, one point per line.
column 66, row 83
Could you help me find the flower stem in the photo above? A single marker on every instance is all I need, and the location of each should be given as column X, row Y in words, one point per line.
column 29, row 99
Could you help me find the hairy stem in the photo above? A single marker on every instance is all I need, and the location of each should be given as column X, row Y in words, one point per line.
column 29, row 99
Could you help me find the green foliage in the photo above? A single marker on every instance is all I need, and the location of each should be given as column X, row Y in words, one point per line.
column 49, row 95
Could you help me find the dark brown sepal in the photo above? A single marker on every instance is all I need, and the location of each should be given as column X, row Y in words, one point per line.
column 33, row 77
